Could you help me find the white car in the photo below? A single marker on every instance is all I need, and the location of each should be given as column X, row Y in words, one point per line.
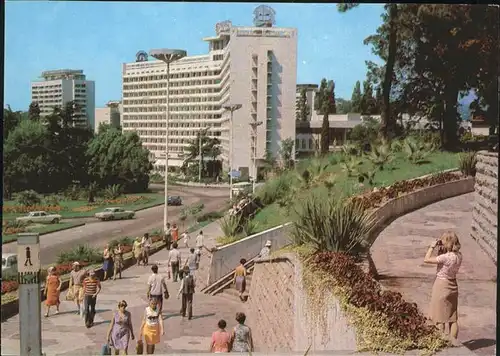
column 115, row 214
column 9, row 263
column 40, row 217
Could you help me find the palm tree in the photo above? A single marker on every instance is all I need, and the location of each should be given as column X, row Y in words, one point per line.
column 210, row 147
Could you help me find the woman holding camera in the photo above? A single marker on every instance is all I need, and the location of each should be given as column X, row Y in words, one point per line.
column 444, row 298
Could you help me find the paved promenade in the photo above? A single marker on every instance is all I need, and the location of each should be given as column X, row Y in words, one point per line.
column 398, row 255
column 65, row 334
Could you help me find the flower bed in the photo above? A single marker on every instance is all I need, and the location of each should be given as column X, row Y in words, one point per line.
column 21, row 209
column 377, row 197
column 384, row 321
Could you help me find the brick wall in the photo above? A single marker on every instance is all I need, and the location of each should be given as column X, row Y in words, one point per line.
column 484, row 216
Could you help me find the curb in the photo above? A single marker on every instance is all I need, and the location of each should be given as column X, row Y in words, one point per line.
column 10, row 309
column 48, row 232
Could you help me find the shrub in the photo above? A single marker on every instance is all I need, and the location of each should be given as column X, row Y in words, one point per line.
column 196, row 208
column 274, row 189
column 327, row 225
column 112, row 191
column 404, row 326
column 9, row 286
column 73, row 193
column 210, row 216
column 415, row 151
column 80, row 253
column 29, row 198
column 230, row 225
column 52, row 200
column 467, row 163
column 124, row 241
column 250, row 227
column 350, row 166
column 380, row 155
column 13, row 227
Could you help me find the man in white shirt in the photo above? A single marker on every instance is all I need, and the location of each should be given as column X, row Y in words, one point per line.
column 266, row 250
column 199, row 243
column 174, row 261
column 157, row 288
column 146, row 244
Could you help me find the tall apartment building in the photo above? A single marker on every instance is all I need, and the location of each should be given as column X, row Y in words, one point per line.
column 110, row 115
column 252, row 66
column 57, row 87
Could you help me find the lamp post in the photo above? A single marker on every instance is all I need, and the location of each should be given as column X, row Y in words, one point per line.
column 231, row 108
column 202, row 131
column 168, row 56
column 254, row 126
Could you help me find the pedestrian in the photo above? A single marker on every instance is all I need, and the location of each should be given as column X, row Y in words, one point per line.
column 185, row 239
column 266, row 250
column 146, row 247
column 157, row 288
column 240, row 276
column 444, row 297
column 241, row 337
column 107, row 265
column 120, row 330
column 137, row 249
column 175, row 232
column 192, row 262
column 52, row 290
column 221, row 339
column 174, row 261
column 199, row 243
column 91, row 288
column 75, row 289
column 151, row 327
column 118, row 261
column 187, row 290
column 168, row 237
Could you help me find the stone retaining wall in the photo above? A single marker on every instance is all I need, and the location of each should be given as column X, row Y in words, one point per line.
column 485, row 212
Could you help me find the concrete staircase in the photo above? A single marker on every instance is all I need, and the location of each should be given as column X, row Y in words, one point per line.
column 229, row 292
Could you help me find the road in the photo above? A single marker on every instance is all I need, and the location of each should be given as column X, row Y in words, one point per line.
column 97, row 234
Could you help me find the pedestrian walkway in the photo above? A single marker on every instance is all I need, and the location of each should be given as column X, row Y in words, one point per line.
column 65, row 333
column 398, row 254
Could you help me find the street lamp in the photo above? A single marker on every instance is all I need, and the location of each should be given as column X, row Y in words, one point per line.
column 203, row 130
column 254, row 126
column 232, row 108
column 168, row 56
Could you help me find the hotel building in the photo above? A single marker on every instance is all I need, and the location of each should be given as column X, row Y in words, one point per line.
column 252, row 66
column 57, row 87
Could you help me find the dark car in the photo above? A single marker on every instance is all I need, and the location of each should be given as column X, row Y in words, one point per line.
column 174, row 200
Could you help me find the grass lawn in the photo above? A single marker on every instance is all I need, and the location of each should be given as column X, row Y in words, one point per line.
column 42, row 230
column 70, row 208
column 399, row 169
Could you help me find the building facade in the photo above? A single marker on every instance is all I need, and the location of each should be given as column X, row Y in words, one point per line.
column 255, row 67
column 57, row 87
column 109, row 115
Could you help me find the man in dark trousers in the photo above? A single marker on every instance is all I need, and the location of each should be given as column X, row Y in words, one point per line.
column 167, row 238
column 91, row 288
column 187, row 291
column 28, row 257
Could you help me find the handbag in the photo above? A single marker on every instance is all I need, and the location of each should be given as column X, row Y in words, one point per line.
column 105, row 350
column 70, row 296
column 166, row 295
column 139, row 348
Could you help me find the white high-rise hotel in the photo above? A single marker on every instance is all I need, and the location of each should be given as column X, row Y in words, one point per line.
column 252, row 66
column 57, row 87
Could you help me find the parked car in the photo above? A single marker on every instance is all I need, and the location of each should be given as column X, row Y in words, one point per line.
column 115, row 214
column 40, row 217
column 9, row 263
column 174, row 200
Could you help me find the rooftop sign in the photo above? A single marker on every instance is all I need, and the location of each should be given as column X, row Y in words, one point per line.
column 141, row 56
column 264, row 16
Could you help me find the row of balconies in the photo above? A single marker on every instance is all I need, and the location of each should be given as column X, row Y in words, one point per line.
column 143, row 102
column 183, row 118
column 191, row 85
column 174, row 109
column 173, row 76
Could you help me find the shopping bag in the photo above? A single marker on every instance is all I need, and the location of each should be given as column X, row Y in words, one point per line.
column 105, row 350
column 166, row 295
column 70, row 296
column 139, row 348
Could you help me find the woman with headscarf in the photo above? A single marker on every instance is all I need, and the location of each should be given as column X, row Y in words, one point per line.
column 52, row 290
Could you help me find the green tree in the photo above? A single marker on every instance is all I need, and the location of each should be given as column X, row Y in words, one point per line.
column 368, row 105
column 210, row 147
column 286, row 152
column 119, row 158
column 303, row 110
column 389, row 56
column 318, row 102
column 332, row 108
column 356, row 98
column 325, row 130
column 379, row 100
column 343, row 106
column 34, row 111
column 11, row 120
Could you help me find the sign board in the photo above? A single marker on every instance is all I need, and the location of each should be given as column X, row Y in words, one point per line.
column 28, row 258
column 235, row 174
column 141, row 56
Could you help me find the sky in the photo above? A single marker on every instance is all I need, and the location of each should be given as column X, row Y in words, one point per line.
column 99, row 36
